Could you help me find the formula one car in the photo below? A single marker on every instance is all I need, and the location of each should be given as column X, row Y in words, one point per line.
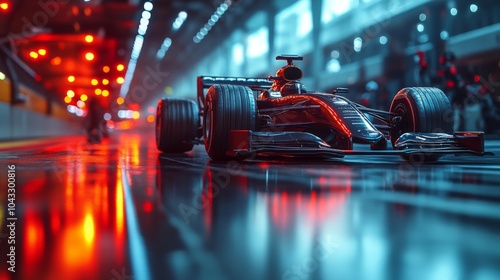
column 241, row 118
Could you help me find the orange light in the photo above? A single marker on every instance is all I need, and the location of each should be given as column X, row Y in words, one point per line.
column 4, row 6
column 120, row 80
column 42, row 52
column 98, row 91
column 89, row 56
column 84, row 97
column 105, row 93
column 55, row 61
column 70, row 93
column 105, row 69
column 120, row 67
column 105, row 81
column 34, row 55
column 71, row 79
column 89, row 229
column 136, row 115
column 151, row 118
column 67, row 99
column 87, row 11
column 94, row 82
column 89, row 38
column 120, row 100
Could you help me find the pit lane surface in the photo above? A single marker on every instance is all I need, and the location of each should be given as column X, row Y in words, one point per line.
column 120, row 210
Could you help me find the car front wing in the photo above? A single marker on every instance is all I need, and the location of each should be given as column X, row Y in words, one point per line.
column 247, row 143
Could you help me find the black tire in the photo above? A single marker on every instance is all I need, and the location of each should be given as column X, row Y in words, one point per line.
column 423, row 109
column 177, row 122
column 227, row 107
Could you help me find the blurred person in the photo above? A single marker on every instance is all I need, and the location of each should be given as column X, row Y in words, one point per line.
column 94, row 121
column 421, row 75
column 489, row 110
column 452, row 84
column 448, row 75
column 472, row 114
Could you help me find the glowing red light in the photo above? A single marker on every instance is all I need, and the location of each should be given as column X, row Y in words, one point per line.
column 55, row 61
column 4, row 6
column 147, row 206
column 453, row 70
column 477, row 78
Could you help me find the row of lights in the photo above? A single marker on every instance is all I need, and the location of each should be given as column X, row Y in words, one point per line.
column 212, row 21
column 358, row 42
column 89, row 56
column 128, row 114
column 473, row 8
column 333, row 64
column 70, row 94
column 181, row 18
column 444, row 35
column 164, row 48
column 179, row 21
column 136, row 48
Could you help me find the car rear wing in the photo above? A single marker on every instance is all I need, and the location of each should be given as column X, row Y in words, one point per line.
column 204, row 82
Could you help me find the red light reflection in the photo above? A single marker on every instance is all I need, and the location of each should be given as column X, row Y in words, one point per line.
column 34, row 238
column 68, row 233
column 313, row 208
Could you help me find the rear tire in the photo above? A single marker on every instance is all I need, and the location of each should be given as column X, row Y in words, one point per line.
column 423, row 109
column 177, row 122
column 227, row 107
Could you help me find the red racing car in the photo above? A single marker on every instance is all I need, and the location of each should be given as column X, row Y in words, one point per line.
column 241, row 118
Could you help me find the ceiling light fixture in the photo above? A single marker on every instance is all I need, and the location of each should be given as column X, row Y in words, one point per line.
column 212, row 21
column 164, row 48
column 181, row 17
column 136, row 49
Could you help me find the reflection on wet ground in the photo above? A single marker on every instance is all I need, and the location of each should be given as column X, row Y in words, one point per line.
column 120, row 210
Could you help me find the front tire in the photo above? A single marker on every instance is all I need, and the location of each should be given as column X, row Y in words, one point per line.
column 422, row 109
column 177, row 122
column 227, row 107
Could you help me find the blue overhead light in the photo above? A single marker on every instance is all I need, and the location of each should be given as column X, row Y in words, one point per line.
column 146, row 15
column 164, row 48
column 148, row 6
column 136, row 48
column 181, row 17
column 212, row 21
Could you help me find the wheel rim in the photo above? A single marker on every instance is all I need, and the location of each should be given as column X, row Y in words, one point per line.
column 208, row 123
column 406, row 122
